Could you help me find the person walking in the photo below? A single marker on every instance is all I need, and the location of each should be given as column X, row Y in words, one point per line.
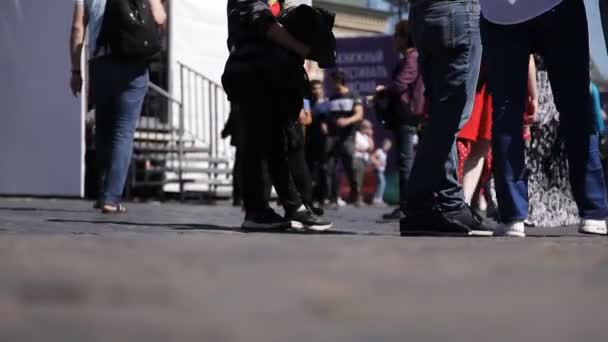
column 118, row 86
column 379, row 160
column 364, row 147
column 446, row 34
column 511, row 31
column 346, row 113
column 264, row 75
column 316, row 133
column 407, row 93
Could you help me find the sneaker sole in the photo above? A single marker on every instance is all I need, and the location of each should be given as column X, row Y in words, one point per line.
column 301, row 227
column 249, row 225
column 434, row 233
column 511, row 234
column 483, row 233
column 592, row 231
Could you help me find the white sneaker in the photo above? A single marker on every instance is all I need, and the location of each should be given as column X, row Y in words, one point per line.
column 341, row 203
column 596, row 227
column 511, row 229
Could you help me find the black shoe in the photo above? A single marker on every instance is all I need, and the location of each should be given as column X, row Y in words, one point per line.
column 432, row 223
column 474, row 221
column 266, row 219
column 394, row 215
column 305, row 220
column 316, row 210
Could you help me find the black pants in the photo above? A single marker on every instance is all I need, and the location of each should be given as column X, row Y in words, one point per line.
column 405, row 136
column 296, row 157
column 314, row 147
column 237, row 177
column 343, row 148
column 264, row 149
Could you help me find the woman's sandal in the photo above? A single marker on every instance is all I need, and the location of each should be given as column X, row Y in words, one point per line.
column 113, row 209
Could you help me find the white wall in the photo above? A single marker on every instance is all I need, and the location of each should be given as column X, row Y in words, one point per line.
column 41, row 127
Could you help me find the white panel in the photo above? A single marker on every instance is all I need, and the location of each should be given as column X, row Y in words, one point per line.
column 41, row 135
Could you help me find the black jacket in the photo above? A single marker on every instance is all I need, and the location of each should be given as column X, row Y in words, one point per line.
column 313, row 27
column 256, row 65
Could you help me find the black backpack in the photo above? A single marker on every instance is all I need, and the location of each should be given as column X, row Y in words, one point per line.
column 129, row 30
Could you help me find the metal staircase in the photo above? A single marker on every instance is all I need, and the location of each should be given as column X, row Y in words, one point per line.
column 178, row 147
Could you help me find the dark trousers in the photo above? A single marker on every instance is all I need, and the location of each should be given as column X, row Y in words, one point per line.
column 339, row 148
column 264, row 150
column 447, row 36
column 237, row 177
column 118, row 89
column 296, row 157
column 507, row 50
column 405, row 137
column 314, row 159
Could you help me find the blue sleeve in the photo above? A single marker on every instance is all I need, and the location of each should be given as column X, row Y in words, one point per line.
column 597, row 108
column 307, row 105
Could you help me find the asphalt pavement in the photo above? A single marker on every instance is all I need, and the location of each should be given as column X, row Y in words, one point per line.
column 186, row 272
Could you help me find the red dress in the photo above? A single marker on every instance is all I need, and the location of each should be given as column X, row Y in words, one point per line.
column 479, row 126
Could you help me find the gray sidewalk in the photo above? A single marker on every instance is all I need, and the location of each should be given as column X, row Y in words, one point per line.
column 187, row 273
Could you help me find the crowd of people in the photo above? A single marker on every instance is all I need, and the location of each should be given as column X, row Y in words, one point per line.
column 472, row 83
column 476, row 77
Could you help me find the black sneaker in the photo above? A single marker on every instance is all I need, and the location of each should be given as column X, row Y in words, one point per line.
column 394, row 215
column 316, row 210
column 305, row 220
column 474, row 221
column 266, row 219
column 432, row 223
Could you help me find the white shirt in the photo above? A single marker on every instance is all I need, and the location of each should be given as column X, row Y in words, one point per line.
column 509, row 12
column 362, row 143
column 381, row 157
column 94, row 11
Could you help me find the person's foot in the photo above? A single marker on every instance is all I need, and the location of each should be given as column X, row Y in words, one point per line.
column 359, row 203
column 341, row 203
column 432, row 223
column 266, row 219
column 394, row 215
column 594, row 227
column 511, row 229
column 305, row 220
column 316, row 210
column 471, row 219
column 379, row 203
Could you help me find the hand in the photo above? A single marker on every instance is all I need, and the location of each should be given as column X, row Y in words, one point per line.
column 380, row 88
column 324, row 128
column 342, row 122
column 302, row 118
column 76, row 83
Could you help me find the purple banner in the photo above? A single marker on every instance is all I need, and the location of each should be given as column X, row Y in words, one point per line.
column 367, row 62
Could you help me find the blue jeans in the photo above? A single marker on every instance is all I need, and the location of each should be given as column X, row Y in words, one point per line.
column 507, row 51
column 405, row 137
column 118, row 89
column 447, row 36
column 381, row 186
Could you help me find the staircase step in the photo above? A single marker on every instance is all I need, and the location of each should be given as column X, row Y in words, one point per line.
column 172, row 157
column 186, row 170
column 169, row 149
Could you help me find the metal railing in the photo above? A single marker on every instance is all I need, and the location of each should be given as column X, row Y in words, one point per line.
column 178, row 136
column 206, row 109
